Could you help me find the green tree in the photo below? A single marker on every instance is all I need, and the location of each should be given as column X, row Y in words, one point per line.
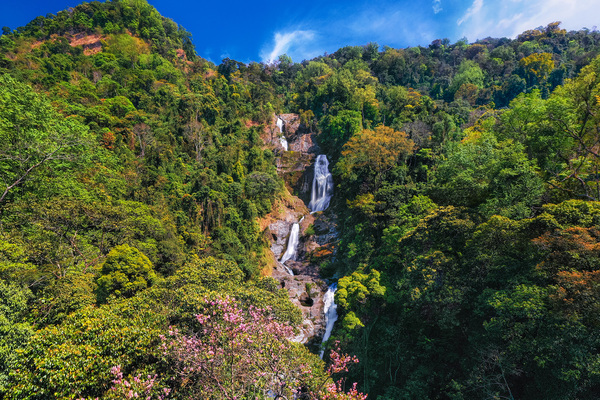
column 339, row 128
column 74, row 359
column 14, row 331
column 34, row 139
column 469, row 72
column 574, row 110
column 369, row 154
column 537, row 66
column 125, row 272
column 494, row 177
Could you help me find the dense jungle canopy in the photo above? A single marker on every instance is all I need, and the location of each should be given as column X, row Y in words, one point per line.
column 133, row 176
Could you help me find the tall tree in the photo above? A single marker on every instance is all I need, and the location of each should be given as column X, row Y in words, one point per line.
column 33, row 136
column 197, row 133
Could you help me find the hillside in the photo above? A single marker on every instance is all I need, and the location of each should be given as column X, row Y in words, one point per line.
column 146, row 198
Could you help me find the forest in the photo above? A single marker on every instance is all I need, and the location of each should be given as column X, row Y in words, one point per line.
column 133, row 176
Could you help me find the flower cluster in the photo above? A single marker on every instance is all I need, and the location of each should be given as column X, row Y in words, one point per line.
column 136, row 387
column 234, row 352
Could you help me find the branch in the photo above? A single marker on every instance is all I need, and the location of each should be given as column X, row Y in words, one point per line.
column 575, row 135
column 50, row 156
column 18, row 181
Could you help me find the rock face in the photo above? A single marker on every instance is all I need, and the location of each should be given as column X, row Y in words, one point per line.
column 296, row 165
column 306, row 289
column 278, row 224
column 296, row 169
column 318, row 232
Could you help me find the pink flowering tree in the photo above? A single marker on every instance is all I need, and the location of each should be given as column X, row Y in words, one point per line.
column 235, row 353
column 142, row 387
column 334, row 389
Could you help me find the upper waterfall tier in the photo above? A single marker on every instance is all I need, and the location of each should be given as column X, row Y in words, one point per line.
column 322, row 187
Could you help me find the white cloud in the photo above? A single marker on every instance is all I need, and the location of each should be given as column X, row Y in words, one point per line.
column 387, row 22
column 574, row 14
column 472, row 11
column 284, row 42
column 510, row 18
column 400, row 24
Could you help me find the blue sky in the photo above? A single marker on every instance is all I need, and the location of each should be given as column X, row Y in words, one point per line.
column 260, row 31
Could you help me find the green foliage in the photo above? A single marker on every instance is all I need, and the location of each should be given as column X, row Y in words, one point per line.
column 125, row 272
column 14, row 330
column 262, row 187
column 63, row 296
column 469, row 73
column 208, row 272
column 35, row 140
column 13, row 263
column 466, row 179
column 368, row 155
column 341, row 127
column 493, row 177
column 353, row 290
column 74, row 359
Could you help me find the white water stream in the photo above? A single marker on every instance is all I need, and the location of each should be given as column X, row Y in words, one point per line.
column 322, row 187
column 290, row 252
column 283, row 142
column 282, row 139
column 330, row 310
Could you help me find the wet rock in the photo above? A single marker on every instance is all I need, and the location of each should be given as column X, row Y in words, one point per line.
column 305, row 143
column 307, row 293
column 280, row 231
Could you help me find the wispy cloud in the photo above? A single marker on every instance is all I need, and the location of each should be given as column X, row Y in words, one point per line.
column 387, row 22
column 284, row 42
column 512, row 17
column 406, row 23
column 472, row 11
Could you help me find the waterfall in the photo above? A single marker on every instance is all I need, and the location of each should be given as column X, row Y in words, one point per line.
column 322, row 187
column 290, row 252
column 283, row 142
column 330, row 310
column 288, row 270
column 282, row 139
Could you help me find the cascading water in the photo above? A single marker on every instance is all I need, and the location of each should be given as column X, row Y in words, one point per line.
column 282, row 139
column 290, row 252
column 330, row 310
column 283, row 142
column 322, row 187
